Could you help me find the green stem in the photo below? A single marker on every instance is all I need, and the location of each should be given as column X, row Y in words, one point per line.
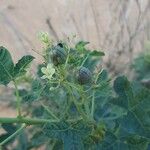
column 18, row 100
column 93, row 104
column 49, row 111
column 53, row 144
column 67, row 58
column 84, row 60
column 28, row 121
column 98, row 76
column 93, row 97
column 13, row 135
column 32, row 121
column 85, row 102
column 79, row 109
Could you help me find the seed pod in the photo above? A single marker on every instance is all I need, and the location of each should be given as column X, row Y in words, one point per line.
column 58, row 55
column 60, row 45
column 84, row 75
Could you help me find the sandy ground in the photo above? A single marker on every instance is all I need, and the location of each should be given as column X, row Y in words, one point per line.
column 5, row 98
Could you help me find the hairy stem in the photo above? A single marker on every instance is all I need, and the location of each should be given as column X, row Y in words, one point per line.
column 33, row 121
column 73, row 99
column 18, row 100
column 93, row 104
column 28, row 121
column 49, row 111
column 84, row 60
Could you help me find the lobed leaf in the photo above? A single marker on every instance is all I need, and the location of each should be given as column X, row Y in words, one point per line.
column 72, row 135
column 6, row 66
column 21, row 66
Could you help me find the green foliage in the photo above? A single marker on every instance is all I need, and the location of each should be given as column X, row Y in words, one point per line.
column 21, row 66
column 8, row 72
column 71, row 134
column 70, row 115
column 6, row 66
column 141, row 66
column 80, row 46
column 136, row 122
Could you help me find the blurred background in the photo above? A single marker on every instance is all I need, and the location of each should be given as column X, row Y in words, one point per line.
column 120, row 28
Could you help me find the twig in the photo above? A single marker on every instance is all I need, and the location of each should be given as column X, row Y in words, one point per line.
column 48, row 22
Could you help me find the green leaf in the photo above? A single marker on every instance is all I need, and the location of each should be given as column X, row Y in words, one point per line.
column 102, row 76
column 22, row 65
column 72, row 135
column 112, row 142
column 141, row 66
column 137, row 120
column 129, row 112
column 124, row 90
column 4, row 136
column 137, row 143
column 97, row 53
column 80, row 46
column 57, row 145
column 138, row 115
column 27, row 96
column 37, row 140
column 6, row 66
column 22, row 141
column 91, row 62
column 103, row 92
column 10, row 128
column 110, row 112
column 34, row 93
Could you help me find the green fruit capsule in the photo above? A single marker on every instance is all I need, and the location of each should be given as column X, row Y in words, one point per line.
column 84, row 75
column 58, row 55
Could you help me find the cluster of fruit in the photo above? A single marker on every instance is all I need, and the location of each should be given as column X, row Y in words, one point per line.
column 58, row 56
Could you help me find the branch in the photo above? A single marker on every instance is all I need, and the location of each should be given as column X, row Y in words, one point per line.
column 28, row 121
column 33, row 121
